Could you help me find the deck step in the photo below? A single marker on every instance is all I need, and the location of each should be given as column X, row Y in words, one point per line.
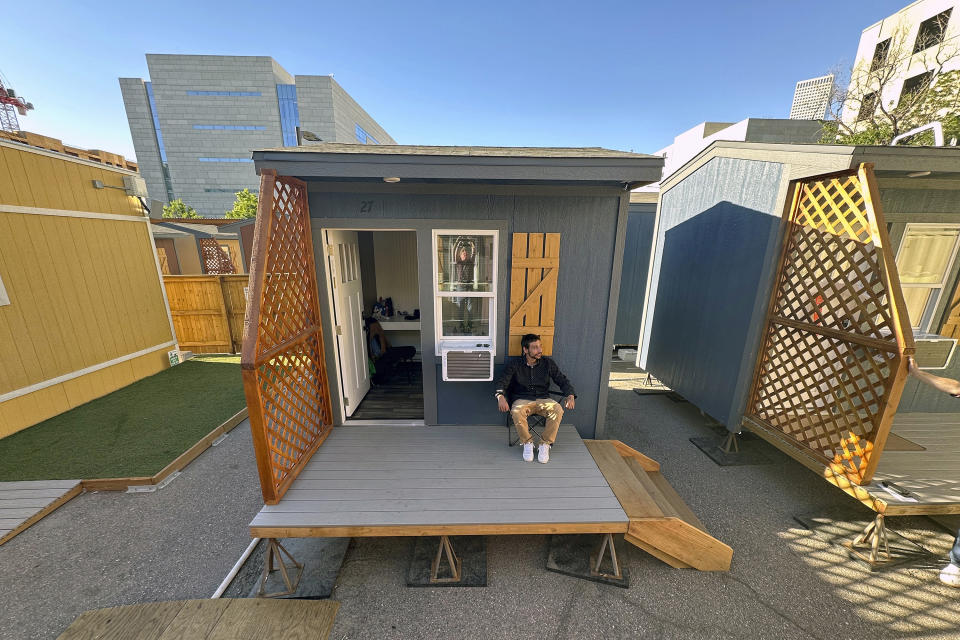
column 661, row 523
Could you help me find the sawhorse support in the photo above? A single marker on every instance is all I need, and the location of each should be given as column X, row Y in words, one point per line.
column 596, row 560
column 445, row 548
column 577, row 555
column 275, row 551
column 872, row 537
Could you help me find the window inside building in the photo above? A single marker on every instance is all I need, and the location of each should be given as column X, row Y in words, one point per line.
column 931, row 31
column 924, row 263
column 867, row 106
column 916, row 84
column 465, row 283
column 880, row 54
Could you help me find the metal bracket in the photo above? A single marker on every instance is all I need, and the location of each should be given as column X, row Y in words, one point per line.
column 276, row 551
column 445, row 548
column 596, row 559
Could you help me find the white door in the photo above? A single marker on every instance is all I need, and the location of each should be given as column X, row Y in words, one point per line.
column 343, row 256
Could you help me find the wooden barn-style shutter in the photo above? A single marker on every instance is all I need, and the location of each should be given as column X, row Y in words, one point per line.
column 534, row 269
column 284, row 375
column 215, row 261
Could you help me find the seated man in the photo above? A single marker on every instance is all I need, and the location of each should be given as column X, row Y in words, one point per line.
column 384, row 356
column 527, row 381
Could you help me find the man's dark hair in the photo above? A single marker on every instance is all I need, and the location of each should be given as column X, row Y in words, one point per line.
column 527, row 339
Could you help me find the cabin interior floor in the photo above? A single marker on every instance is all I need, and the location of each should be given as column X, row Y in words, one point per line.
column 399, row 398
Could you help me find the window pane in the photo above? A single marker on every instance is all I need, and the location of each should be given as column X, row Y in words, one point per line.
column 925, row 255
column 465, row 316
column 916, row 299
column 465, row 263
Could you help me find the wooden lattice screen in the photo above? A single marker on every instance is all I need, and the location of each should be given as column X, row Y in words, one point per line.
column 534, row 268
column 214, row 259
column 284, row 377
column 832, row 367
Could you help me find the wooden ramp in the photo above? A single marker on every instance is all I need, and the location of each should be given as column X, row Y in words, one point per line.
column 23, row 504
column 207, row 620
column 661, row 523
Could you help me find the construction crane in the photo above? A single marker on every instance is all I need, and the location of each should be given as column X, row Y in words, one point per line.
column 10, row 106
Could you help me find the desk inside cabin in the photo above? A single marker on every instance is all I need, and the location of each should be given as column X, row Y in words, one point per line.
column 402, row 333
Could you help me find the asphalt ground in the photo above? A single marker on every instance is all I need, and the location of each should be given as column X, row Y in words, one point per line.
column 109, row 549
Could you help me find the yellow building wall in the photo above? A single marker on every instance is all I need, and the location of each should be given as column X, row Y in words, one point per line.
column 31, row 178
column 83, row 291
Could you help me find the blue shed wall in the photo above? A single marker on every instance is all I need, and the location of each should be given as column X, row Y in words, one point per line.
column 588, row 233
column 715, row 250
column 636, row 265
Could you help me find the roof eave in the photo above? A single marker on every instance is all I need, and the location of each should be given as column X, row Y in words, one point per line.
column 640, row 170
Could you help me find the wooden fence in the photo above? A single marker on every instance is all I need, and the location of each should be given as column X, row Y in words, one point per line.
column 208, row 311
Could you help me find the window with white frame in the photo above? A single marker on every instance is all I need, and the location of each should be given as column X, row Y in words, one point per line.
column 4, row 298
column 924, row 262
column 465, row 285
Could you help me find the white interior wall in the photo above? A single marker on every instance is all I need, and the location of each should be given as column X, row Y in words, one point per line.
column 395, row 256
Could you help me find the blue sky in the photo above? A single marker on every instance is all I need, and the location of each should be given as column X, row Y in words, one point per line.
column 624, row 75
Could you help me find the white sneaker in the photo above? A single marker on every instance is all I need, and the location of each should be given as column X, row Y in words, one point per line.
column 543, row 453
column 528, row 452
column 951, row 575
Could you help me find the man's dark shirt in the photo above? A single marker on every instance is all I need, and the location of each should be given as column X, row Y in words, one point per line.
column 521, row 381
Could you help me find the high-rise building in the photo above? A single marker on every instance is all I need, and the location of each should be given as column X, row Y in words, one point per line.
column 811, row 98
column 196, row 120
column 912, row 45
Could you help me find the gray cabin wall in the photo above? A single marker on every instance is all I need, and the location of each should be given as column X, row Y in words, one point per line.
column 588, row 228
column 925, row 205
column 715, row 251
column 633, row 278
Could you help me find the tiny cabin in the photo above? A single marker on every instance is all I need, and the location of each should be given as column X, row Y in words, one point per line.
column 788, row 285
column 83, row 311
column 462, row 250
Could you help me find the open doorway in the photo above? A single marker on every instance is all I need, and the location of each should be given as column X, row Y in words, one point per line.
column 375, row 294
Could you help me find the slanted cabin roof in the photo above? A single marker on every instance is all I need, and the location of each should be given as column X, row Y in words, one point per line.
column 889, row 162
column 168, row 229
column 519, row 165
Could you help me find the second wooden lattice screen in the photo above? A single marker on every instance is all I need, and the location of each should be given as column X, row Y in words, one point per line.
column 214, row 259
column 832, row 365
column 534, row 269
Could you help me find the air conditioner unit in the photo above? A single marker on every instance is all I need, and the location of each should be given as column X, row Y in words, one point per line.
column 467, row 362
column 933, row 351
column 135, row 186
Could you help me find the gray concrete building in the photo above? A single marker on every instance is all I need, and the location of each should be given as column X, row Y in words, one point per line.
column 197, row 119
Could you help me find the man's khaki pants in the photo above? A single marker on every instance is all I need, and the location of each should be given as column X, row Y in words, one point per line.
column 550, row 409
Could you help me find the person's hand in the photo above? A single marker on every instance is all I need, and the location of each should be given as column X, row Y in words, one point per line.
column 911, row 364
column 570, row 403
column 502, row 404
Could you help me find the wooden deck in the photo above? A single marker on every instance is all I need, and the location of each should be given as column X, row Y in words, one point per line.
column 416, row 480
column 931, row 476
column 226, row 619
column 23, row 504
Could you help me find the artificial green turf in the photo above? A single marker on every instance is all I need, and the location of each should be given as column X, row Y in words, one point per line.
column 134, row 431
